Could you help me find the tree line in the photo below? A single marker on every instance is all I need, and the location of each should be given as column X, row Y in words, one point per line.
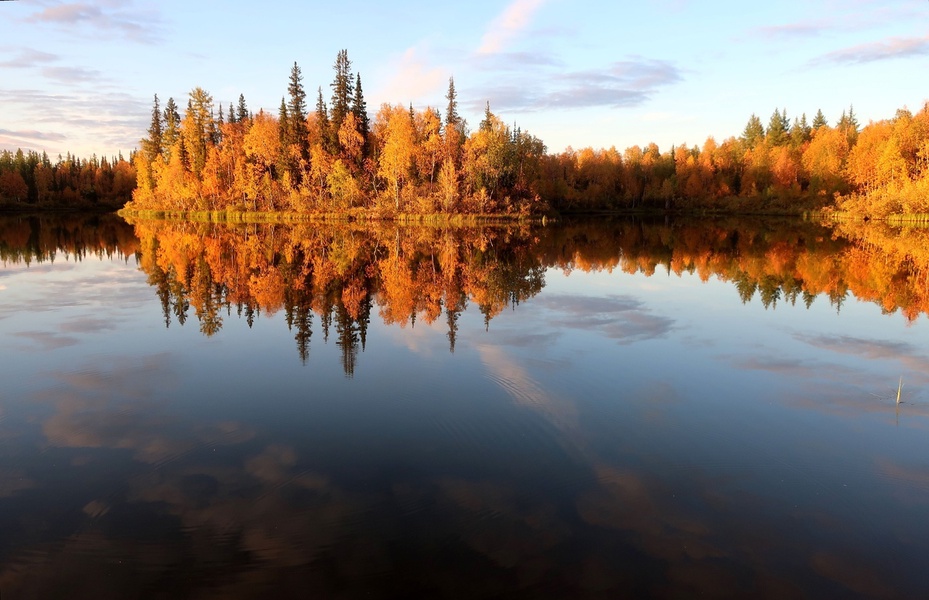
column 32, row 179
column 335, row 158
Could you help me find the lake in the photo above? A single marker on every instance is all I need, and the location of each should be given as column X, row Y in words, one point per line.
column 596, row 409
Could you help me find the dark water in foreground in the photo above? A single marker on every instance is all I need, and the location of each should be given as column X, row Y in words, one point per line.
column 583, row 411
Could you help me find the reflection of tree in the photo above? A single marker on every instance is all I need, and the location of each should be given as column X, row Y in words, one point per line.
column 420, row 274
column 340, row 274
column 43, row 238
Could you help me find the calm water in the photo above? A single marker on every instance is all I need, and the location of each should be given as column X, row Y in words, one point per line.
column 624, row 409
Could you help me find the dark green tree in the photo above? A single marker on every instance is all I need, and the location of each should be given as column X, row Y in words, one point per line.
column 284, row 127
column 451, row 111
column 848, row 124
column 241, row 110
column 153, row 146
column 296, row 113
column 753, row 133
column 172, row 125
column 778, row 127
column 360, row 110
column 342, row 90
column 799, row 132
column 322, row 119
column 819, row 120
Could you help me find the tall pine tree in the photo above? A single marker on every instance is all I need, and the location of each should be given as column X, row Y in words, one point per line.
column 241, row 110
column 342, row 90
column 451, row 111
column 153, row 146
column 172, row 124
column 360, row 110
column 819, row 120
column 322, row 120
column 296, row 113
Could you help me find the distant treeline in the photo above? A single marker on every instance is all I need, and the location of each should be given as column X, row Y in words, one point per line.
column 29, row 179
column 336, row 159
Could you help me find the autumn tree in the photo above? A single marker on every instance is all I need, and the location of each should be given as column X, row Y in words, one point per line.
column 398, row 150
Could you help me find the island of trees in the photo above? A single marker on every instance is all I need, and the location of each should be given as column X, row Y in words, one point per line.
column 336, row 160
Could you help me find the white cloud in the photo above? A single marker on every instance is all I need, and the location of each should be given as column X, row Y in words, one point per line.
column 508, row 25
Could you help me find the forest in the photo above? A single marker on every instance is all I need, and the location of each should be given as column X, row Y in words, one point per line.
column 338, row 160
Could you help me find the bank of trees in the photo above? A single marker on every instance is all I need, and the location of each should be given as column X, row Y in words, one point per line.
column 334, row 158
column 30, row 179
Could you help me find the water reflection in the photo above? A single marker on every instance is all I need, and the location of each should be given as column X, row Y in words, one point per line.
column 608, row 434
column 339, row 273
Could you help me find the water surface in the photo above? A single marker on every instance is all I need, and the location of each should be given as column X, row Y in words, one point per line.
column 624, row 408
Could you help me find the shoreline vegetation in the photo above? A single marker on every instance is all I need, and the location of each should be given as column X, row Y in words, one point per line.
column 338, row 162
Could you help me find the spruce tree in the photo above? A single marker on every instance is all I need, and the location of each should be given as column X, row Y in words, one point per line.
column 284, row 126
column 322, row 119
column 242, row 110
column 451, row 112
column 799, row 132
column 231, row 117
column 172, row 125
column 360, row 110
column 296, row 112
column 777, row 128
column 342, row 89
column 753, row 133
column 819, row 120
column 154, row 144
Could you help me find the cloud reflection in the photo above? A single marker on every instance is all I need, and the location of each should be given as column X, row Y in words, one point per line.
column 622, row 318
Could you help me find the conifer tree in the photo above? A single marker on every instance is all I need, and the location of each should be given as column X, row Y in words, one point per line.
column 154, row 144
column 342, row 89
column 284, row 126
column 819, row 120
column 360, row 110
column 295, row 125
column 799, row 132
column 231, row 117
column 322, row 119
column 242, row 110
column 451, row 111
column 753, row 133
column 777, row 128
column 172, row 125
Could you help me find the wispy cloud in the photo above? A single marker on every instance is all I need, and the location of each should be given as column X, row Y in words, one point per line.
column 111, row 119
column 888, row 49
column 508, row 25
column 141, row 25
column 906, row 354
column 622, row 318
column 791, row 30
column 629, row 82
column 72, row 75
column 28, row 58
column 411, row 77
column 46, row 340
column 32, row 134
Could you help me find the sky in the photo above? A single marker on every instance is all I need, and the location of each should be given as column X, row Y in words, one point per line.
column 80, row 76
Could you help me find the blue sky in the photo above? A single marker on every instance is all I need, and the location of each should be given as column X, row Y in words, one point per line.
column 80, row 76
